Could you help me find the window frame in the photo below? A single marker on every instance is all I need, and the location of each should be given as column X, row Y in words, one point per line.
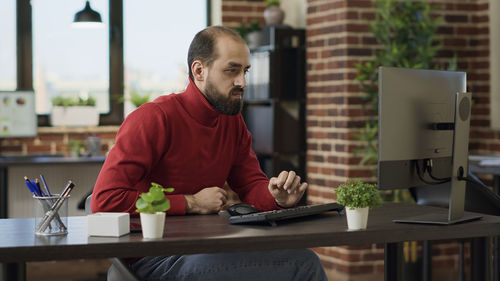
column 24, row 53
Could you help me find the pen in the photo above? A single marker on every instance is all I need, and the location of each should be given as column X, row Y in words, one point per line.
column 36, row 183
column 31, row 186
column 49, row 215
column 45, row 186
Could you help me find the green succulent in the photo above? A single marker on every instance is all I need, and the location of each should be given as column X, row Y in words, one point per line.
column 154, row 200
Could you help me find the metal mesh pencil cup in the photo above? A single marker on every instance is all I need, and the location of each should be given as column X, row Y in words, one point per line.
column 47, row 221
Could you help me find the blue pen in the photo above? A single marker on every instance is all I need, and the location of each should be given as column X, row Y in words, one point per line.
column 31, row 186
column 28, row 184
column 37, row 185
column 45, row 186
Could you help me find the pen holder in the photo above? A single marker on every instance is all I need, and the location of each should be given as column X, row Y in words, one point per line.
column 47, row 221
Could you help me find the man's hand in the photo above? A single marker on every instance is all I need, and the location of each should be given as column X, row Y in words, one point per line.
column 207, row 201
column 287, row 189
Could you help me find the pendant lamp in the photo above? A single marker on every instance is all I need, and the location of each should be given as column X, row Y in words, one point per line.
column 87, row 17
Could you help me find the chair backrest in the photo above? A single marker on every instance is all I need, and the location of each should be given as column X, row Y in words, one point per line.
column 88, row 211
column 119, row 270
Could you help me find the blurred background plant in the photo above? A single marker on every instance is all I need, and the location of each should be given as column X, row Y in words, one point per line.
column 73, row 101
column 77, row 147
column 136, row 97
column 406, row 33
column 245, row 29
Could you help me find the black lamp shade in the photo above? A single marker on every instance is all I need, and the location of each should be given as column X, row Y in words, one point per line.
column 87, row 15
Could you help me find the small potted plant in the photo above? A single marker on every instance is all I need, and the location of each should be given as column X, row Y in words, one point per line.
column 251, row 33
column 273, row 14
column 74, row 111
column 357, row 197
column 152, row 206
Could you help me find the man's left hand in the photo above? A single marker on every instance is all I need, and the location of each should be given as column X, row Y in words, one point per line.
column 287, row 189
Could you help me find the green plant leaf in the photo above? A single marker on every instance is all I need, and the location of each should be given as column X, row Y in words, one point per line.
column 154, row 200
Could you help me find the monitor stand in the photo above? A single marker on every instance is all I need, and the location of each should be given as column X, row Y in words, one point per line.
column 459, row 170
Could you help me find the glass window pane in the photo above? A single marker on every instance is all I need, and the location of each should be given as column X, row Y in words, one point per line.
column 157, row 34
column 69, row 61
column 8, row 67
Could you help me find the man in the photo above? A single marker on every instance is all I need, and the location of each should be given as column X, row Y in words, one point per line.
column 195, row 142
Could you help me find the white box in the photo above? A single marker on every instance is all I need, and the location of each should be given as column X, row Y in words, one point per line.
column 108, row 224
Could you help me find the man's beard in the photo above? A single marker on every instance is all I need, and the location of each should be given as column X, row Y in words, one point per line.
column 225, row 104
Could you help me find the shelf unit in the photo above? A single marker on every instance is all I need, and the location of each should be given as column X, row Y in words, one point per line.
column 274, row 108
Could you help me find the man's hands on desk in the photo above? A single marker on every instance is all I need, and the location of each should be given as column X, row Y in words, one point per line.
column 286, row 190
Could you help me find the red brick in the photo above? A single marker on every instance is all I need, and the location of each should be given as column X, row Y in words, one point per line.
column 45, row 148
column 8, row 149
column 456, row 18
column 51, row 137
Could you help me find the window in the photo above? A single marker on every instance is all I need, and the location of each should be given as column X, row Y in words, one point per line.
column 156, row 42
column 8, row 46
column 53, row 58
column 69, row 61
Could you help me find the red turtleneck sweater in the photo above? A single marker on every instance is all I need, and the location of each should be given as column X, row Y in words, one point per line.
column 180, row 141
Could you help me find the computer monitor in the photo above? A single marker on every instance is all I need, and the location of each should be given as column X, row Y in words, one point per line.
column 17, row 114
column 423, row 135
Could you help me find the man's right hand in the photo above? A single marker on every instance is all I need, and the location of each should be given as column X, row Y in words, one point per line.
column 206, row 201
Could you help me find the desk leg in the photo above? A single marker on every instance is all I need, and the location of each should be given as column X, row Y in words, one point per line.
column 391, row 262
column 480, row 261
column 13, row 272
column 496, row 239
column 427, row 260
column 496, row 257
column 3, row 193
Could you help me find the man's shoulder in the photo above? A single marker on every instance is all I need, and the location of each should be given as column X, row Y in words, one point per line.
column 165, row 100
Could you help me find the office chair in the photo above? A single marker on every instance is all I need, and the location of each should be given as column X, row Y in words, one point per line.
column 119, row 270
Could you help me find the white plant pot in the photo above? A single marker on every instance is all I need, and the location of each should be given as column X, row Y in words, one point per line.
column 152, row 224
column 357, row 218
column 74, row 116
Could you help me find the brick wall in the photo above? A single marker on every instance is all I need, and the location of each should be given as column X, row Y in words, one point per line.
column 56, row 141
column 338, row 37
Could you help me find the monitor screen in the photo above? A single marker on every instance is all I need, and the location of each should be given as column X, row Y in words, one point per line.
column 423, row 132
column 17, row 114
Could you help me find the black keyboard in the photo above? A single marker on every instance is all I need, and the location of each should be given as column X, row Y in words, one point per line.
column 272, row 216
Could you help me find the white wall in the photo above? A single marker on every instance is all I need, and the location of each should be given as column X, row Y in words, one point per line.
column 295, row 12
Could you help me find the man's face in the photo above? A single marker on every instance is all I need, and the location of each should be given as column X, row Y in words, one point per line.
column 225, row 80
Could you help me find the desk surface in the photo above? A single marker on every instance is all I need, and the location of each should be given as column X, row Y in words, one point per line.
column 212, row 233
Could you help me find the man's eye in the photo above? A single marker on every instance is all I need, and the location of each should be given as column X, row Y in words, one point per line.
column 231, row 70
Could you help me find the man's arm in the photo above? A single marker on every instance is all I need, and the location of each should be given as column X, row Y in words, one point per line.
column 126, row 171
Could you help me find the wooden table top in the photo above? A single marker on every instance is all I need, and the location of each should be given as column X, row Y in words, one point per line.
column 212, row 233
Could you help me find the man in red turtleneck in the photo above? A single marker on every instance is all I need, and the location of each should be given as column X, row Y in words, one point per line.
column 196, row 141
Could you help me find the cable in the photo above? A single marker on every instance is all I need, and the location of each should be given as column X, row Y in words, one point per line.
column 428, row 167
column 420, row 176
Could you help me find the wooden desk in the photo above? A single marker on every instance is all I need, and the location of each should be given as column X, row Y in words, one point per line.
column 212, row 233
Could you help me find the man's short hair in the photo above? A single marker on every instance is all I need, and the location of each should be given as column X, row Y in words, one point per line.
column 203, row 45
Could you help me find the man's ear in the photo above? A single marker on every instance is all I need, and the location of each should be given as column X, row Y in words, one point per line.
column 198, row 70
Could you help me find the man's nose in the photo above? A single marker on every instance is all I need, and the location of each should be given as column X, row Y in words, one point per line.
column 241, row 81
